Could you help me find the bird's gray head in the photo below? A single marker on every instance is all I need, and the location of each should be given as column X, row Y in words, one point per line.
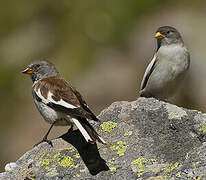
column 40, row 69
column 167, row 35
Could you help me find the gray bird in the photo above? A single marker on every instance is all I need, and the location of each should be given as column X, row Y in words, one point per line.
column 59, row 102
column 168, row 67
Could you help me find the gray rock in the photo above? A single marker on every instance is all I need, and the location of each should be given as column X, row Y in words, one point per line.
column 146, row 139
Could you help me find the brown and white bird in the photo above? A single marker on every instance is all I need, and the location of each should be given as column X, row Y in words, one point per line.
column 168, row 67
column 59, row 102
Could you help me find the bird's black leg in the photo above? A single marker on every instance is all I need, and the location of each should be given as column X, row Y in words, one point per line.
column 45, row 137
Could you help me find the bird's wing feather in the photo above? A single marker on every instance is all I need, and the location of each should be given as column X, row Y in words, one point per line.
column 59, row 95
column 50, row 99
column 56, row 90
column 148, row 72
column 87, row 130
column 82, row 130
column 84, row 104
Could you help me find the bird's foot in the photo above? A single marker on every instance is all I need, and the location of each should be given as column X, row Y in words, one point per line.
column 44, row 140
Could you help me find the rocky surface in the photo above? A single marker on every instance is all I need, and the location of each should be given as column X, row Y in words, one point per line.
column 146, row 139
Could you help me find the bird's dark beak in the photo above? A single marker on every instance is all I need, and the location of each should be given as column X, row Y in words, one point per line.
column 159, row 35
column 27, row 71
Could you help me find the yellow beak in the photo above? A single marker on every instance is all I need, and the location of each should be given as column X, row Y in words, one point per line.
column 27, row 71
column 158, row 35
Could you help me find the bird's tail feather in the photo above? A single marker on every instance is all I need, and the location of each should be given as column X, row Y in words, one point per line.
column 87, row 130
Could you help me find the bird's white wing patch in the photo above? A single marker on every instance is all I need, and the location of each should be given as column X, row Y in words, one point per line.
column 82, row 130
column 51, row 100
column 102, row 139
column 147, row 71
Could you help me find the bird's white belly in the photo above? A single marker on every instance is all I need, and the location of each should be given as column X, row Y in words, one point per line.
column 52, row 116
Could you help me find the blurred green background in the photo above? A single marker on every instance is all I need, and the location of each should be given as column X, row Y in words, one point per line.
column 101, row 46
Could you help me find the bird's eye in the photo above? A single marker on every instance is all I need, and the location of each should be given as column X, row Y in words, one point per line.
column 168, row 32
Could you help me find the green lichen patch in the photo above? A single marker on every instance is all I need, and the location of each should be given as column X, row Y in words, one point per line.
column 201, row 177
column 46, row 162
column 121, row 147
column 167, row 176
column 111, row 161
column 187, row 155
column 198, row 152
column 76, row 175
column 77, row 155
column 56, row 155
column 65, row 161
column 71, row 149
column 172, row 167
column 24, row 169
column 168, row 170
column 61, row 160
column 194, row 165
column 178, row 175
column 203, row 128
column 128, row 133
column 113, row 169
column 108, row 126
column 26, row 172
column 139, row 165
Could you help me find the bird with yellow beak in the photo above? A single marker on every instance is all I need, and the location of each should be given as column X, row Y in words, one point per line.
column 165, row 73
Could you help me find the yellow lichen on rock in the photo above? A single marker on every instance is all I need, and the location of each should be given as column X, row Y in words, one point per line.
column 77, row 155
column 120, row 148
column 111, row 161
column 56, row 155
column 172, row 167
column 71, row 149
column 113, row 169
column 203, row 128
column 108, row 126
column 138, row 165
column 76, row 175
column 65, row 161
column 46, row 162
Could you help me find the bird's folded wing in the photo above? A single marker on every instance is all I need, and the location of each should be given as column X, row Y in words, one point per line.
column 148, row 72
column 58, row 94
column 84, row 104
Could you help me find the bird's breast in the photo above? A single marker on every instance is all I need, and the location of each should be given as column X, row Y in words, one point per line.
column 176, row 56
column 51, row 116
